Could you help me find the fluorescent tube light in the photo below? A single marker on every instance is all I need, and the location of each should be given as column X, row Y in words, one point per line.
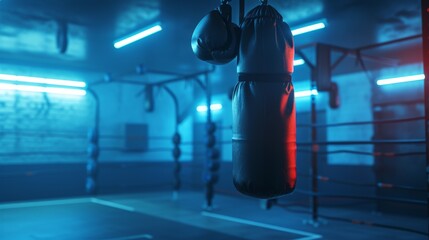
column 213, row 107
column 51, row 81
column 137, row 35
column 298, row 62
column 28, row 88
column 396, row 80
column 309, row 28
column 202, row 109
column 216, row 107
column 306, row 93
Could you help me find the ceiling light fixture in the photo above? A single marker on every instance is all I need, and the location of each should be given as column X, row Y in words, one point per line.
column 306, row 93
column 29, row 88
column 140, row 34
column 298, row 62
column 39, row 80
column 396, row 80
column 213, row 107
column 309, row 28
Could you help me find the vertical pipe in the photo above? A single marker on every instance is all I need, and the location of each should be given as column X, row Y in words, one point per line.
column 97, row 107
column 314, row 167
column 425, row 38
column 208, row 97
column 241, row 16
column 209, row 182
column 176, row 106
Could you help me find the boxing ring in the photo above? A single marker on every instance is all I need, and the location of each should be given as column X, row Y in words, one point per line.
column 213, row 163
column 314, row 146
column 212, row 160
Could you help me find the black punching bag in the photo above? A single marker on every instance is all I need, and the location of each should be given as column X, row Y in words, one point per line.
column 264, row 125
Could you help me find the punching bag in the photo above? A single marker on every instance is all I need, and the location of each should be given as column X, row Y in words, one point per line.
column 263, row 107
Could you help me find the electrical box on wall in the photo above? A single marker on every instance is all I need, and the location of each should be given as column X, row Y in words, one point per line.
column 136, row 137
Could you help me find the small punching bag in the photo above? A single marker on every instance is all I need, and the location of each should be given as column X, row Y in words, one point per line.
column 264, row 125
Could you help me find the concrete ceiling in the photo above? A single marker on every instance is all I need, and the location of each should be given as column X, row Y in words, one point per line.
column 28, row 30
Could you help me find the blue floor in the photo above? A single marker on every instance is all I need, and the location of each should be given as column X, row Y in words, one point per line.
column 156, row 215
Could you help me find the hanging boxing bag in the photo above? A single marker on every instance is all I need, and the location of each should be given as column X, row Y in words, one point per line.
column 264, row 125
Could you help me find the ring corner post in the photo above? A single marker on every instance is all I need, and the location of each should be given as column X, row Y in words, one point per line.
column 425, row 39
column 93, row 150
column 314, row 155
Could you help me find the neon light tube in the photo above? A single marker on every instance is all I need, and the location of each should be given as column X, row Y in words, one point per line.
column 202, row 109
column 216, row 107
column 28, row 88
column 298, row 62
column 306, row 93
column 308, row 28
column 213, row 107
column 51, row 81
column 137, row 36
column 396, row 80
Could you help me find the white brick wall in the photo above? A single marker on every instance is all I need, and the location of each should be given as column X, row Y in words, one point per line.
column 37, row 122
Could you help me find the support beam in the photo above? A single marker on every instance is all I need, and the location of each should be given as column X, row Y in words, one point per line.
column 425, row 33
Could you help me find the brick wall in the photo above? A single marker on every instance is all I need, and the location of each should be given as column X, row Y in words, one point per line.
column 31, row 123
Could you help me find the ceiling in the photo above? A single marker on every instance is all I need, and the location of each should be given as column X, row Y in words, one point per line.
column 28, row 31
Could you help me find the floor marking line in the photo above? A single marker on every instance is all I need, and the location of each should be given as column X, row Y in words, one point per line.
column 309, row 238
column 43, row 203
column 112, row 204
column 308, row 235
column 145, row 236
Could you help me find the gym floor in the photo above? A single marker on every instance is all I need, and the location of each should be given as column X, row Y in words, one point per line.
column 156, row 215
